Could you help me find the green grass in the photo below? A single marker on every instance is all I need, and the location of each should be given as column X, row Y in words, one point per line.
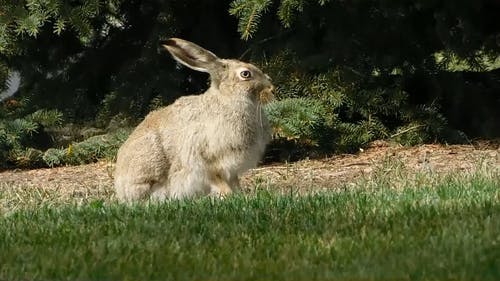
column 449, row 230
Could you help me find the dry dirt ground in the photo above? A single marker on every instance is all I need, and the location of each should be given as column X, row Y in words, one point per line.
column 95, row 180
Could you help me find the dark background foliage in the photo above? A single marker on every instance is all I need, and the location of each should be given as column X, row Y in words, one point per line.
column 347, row 72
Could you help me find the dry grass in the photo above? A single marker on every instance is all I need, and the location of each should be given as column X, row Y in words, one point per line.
column 340, row 171
column 382, row 162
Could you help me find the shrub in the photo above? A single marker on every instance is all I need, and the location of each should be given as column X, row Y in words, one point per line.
column 341, row 110
column 302, row 120
column 22, row 138
column 26, row 140
column 87, row 151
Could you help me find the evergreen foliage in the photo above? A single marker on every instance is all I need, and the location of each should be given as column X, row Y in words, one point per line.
column 347, row 72
column 340, row 110
column 90, row 150
column 249, row 13
column 26, row 140
column 379, row 68
column 22, row 138
column 23, row 21
column 302, row 120
column 29, row 18
column 120, row 57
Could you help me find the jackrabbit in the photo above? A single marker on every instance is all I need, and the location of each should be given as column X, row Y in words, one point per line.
column 200, row 144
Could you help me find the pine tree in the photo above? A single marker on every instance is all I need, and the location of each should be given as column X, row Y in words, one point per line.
column 347, row 72
column 361, row 60
column 28, row 18
column 22, row 138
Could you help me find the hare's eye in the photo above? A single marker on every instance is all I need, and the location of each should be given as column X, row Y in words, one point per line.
column 246, row 74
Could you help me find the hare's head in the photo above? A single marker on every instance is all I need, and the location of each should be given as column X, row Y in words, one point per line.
column 229, row 77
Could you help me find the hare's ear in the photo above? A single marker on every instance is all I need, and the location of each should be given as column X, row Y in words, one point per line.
column 191, row 55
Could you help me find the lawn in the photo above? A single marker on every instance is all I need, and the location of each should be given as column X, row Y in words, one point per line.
column 445, row 229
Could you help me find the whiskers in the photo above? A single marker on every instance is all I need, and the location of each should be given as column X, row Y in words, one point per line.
column 265, row 97
column 259, row 113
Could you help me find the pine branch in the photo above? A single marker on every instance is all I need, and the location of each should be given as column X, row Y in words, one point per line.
column 406, row 130
column 287, row 11
column 248, row 13
column 250, row 23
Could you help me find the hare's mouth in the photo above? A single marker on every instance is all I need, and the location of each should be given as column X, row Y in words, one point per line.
column 266, row 95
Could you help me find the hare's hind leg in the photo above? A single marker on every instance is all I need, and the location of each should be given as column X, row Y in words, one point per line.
column 195, row 180
column 234, row 182
column 219, row 186
column 159, row 192
column 141, row 164
column 132, row 191
column 185, row 182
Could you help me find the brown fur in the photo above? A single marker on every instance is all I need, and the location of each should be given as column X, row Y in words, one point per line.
column 199, row 144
